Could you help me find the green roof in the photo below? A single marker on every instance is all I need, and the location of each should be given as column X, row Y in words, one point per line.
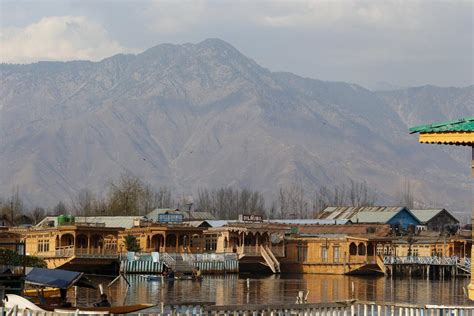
column 461, row 125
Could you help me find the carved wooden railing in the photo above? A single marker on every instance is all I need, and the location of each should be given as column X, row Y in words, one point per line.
column 423, row 260
column 64, row 252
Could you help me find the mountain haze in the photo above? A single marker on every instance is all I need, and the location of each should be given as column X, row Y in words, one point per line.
column 204, row 115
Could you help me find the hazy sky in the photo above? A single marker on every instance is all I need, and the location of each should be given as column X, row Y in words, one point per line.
column 404, row 43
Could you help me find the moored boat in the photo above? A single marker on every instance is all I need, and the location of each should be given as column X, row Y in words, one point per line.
column 12, row 300
column 45, row 292
column 62, row 280
column 175, row 278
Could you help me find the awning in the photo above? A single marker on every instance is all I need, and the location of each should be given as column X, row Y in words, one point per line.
column 57, row 278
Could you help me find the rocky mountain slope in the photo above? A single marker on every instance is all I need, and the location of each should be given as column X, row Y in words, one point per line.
column 204, row 115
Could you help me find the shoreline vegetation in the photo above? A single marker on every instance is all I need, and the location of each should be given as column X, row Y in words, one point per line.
column 129, row 195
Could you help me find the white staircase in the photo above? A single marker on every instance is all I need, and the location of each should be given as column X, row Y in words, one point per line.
column 270, row 259
column 182, row 266
column 176, row 262
column 168, row 260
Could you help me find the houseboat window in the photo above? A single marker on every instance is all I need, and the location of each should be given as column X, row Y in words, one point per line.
column 387, row 250
column 81, row 241
column 183, row 240
column 211, row 242
column 379, row 249
column 361, row 249
column 352, row 249
column 110, row 244
column 337, row 255
column 324, row 254
column 43, row 245
column 302, row 253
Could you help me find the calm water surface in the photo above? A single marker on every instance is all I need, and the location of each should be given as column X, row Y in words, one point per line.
column 233, row 289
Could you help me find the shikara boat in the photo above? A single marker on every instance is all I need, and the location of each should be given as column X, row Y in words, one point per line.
column 46, row 292
column 62, row 279
column 22, row 303
column 163, row 278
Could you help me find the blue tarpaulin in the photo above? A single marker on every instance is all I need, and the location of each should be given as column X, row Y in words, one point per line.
column 55, row 278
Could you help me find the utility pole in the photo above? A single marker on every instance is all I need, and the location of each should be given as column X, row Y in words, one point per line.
column 11, row 210
column 12, row 203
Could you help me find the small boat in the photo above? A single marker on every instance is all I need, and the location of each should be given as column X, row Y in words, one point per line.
column 152, row 277
column 45, row 292
column 22, row 303
column 62, row 280
column 175, row 278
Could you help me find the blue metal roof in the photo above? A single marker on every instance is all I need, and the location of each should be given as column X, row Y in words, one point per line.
column 56, row 278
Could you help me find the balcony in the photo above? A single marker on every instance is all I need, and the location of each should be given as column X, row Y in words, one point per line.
column 91, row 252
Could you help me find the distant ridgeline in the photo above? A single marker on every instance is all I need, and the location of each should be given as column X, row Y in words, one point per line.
column 161, row 113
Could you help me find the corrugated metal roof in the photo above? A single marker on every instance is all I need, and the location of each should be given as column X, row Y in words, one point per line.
column 108, row 221
column 461, row 125
column 202, row 215
column 379, row 230
column 212, row 223
column 365, row 214
column 218, row 222
column 427, row 214
column 310, row 221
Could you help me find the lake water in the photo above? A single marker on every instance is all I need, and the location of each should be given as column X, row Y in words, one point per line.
column 234, row 289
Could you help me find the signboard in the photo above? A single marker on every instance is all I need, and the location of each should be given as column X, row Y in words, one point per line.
column 250, row 218
column 170, row 218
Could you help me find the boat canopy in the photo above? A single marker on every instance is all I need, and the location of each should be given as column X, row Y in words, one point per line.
column 57, row 278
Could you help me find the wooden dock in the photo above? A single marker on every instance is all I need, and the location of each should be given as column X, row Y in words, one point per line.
column 427, row 266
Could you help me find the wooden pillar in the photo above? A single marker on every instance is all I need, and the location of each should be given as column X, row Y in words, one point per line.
column 74, row 243
column 88, row 243
column 177, row 243
column 102, row 250
column 164, row 242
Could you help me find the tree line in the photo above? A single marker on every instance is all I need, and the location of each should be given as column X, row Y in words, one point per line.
column 129, row 196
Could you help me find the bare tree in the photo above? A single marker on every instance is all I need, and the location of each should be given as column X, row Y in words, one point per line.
column 361, row 195
column 272, row 212
column 356, row 194
column 84, row 203
column 13, row 207
column 283, row 201
column 405, row 195
column 293, row 202
column 149, row 200
column 227, row 203
column 204, row 201
column 60, row 208
column 164, row 198
column 37, row 214
column 124, row 195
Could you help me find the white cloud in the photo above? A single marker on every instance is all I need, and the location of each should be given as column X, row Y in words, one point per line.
column 169, row 16
column 57, row 38
column 342, row 13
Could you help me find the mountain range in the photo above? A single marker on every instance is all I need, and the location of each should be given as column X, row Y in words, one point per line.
column 204, row 115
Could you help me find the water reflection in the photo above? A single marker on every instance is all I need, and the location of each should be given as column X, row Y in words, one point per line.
column 234, row 289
